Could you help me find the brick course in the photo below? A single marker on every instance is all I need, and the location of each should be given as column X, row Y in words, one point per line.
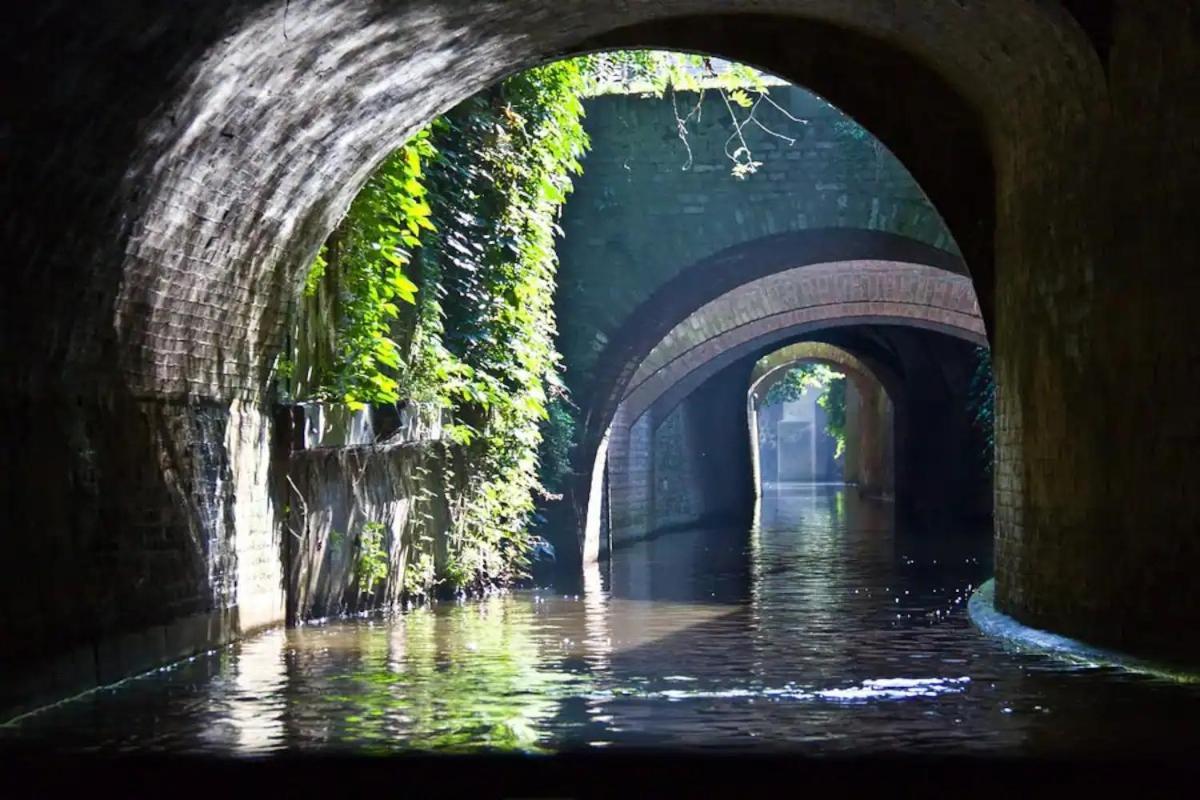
column 169, row 175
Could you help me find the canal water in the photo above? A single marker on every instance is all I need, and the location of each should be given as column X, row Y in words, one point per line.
column 823, row 630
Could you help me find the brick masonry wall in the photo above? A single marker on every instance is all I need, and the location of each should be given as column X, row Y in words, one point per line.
column 692, row 467
column 169, row 176
column 1098, row 517
column 902, row 294
column 136, row 563
column 638, row 218
column 630, row 472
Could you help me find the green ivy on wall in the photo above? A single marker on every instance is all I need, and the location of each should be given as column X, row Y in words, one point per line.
column 438, row 287
column 437, row 290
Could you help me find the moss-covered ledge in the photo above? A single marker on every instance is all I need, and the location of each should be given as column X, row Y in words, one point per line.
column 981, row 609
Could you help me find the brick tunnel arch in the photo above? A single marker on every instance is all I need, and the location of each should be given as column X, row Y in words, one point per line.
column 753, row 317
column 177, row 173
column 802, row 298
column 723, row 272
column 772, row 368
column 288, row 106
column 866, row 450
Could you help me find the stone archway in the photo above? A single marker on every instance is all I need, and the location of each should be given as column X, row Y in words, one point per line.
column 751, row 319
column 869, row 448
column 172, row 174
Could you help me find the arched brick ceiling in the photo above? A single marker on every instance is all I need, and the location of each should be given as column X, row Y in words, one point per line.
column 804, row 298
column 771, row 368
column 202, row 157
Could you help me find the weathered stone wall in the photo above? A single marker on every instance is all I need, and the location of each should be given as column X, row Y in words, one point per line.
column 128, row 565
column 335, row 493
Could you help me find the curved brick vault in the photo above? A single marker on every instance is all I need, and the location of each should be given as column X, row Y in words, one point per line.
column 773, row 367
column 690, row 461
column 722, row 272
column 803, row 298
column 773, row 308
column 169, row 175
column 867, row 433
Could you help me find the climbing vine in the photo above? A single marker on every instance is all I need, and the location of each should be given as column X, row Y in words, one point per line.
column 356, row 285
column 507, row 156
column 371, row 564
column 437, row 289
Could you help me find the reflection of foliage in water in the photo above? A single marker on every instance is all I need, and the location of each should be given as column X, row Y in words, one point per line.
column 471, row 677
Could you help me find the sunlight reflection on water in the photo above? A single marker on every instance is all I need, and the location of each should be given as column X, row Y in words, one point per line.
column 823, row 630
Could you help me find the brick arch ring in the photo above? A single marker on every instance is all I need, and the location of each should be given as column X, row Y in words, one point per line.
column 774, row 367
column 799, row 300
column 721, row 273
column 771, row 309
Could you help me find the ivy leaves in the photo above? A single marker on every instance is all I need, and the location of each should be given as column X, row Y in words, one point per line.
column 370, row 253
column 503, row 171
column 444, row 274
column 444, row 271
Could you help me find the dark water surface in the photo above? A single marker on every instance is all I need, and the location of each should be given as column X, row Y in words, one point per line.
column 824, row 630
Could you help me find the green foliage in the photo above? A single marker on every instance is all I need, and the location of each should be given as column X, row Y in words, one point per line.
column 798, row 380
column 419, row 573
column 371, row 566
column 364, row 265
column 558, row 438
column 443, row 274
column 506, row 157
column 982, row 401
column 437, row 289
column 833, row 400
column 832, row 387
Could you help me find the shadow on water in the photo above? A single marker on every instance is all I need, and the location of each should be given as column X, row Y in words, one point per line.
column 822, row 630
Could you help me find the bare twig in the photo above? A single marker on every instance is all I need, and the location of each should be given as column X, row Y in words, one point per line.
column 739, row 167
column 765, row 96
column 303, row 506
column 681, row 123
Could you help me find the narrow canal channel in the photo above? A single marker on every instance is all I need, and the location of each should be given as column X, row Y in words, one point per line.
column 824, row 630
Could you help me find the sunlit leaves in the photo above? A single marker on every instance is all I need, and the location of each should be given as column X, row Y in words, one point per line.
column 831, row 386
column 740, row 98
column 372, row 248
column 445, row 268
